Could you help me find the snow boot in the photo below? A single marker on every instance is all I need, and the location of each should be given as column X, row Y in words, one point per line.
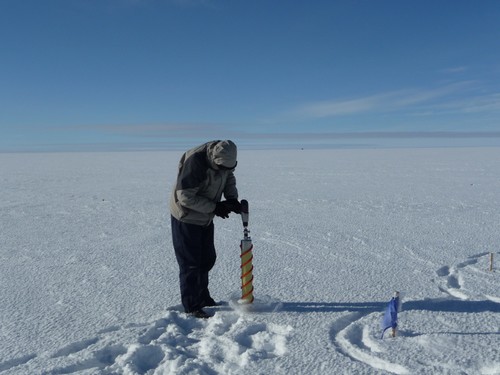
column 200, row 314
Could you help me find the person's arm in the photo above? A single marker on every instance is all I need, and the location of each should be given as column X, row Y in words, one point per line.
column 230, row 190
column 191, row 175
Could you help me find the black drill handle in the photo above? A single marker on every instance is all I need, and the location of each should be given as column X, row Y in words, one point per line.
column 244, row 212
column 244, row 206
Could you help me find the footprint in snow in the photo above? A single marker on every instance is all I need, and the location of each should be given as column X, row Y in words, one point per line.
column 176, row 343
column 356, row 334
column 452, row 278
column 351, row 336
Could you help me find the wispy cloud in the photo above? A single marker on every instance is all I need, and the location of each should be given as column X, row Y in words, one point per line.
column 381, row 102
column 178, row 136
column 475, row 104
column 158, row 130
column 372, row 135
column 162, row 130
column 169, row 132
column 192, row 3
column 455, row 70
column 194, row 131
column 343, row 107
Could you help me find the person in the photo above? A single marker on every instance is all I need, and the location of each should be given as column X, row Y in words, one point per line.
column 205, row 173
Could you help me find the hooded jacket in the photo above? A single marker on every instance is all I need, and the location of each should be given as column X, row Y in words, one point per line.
column 205, row 173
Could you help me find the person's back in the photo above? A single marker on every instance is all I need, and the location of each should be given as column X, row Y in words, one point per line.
column 205, row 173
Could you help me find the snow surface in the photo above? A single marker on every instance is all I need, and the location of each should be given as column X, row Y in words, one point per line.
column 89, row 281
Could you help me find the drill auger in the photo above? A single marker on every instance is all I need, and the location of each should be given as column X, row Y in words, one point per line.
column 246, row 258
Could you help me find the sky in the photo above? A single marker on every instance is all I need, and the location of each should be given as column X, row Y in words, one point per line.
column 169, row 74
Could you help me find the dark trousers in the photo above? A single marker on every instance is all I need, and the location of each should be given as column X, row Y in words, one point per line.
column 195, row 253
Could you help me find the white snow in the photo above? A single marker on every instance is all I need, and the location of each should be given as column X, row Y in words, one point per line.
column 89, row 281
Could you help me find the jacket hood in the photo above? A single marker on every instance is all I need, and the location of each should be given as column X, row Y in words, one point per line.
column 223, row 153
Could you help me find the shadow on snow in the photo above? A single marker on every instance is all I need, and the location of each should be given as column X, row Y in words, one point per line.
column 436, row 305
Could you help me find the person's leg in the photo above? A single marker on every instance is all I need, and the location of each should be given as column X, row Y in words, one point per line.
column 208, row 261
column 188, row 245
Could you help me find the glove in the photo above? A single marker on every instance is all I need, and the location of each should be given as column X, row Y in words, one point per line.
column 234, row 205
column 222, row 210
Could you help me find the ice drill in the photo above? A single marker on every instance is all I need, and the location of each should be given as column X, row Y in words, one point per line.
column 246, row 258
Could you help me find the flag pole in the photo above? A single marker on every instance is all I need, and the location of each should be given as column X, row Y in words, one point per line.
column 394, row 327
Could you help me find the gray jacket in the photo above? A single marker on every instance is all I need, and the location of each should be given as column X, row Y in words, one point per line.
column 205, row 173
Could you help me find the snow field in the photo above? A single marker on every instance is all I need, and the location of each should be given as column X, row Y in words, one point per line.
column 88, row 277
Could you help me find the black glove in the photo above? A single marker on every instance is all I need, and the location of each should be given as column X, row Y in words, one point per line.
column 222, row 210
column 234, row 205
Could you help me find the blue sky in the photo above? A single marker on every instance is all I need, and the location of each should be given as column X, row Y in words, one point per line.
column 168, row 74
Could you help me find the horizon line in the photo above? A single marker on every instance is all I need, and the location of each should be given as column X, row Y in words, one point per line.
column 255, row 141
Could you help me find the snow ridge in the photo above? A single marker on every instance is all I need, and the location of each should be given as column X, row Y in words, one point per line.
column 355, row 333
column 176, row 343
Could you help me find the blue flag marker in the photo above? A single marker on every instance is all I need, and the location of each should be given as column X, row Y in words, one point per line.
column 390, row 319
